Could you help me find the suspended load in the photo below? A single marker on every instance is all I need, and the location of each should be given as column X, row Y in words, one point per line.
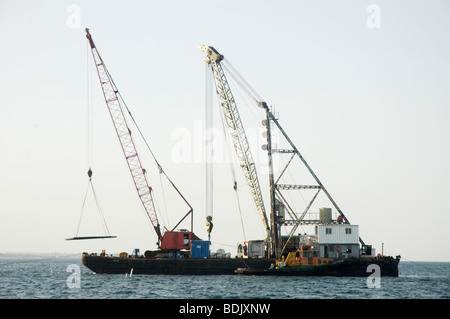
column 105, row 227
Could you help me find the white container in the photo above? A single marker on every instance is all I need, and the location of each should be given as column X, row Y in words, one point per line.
column 338, row 234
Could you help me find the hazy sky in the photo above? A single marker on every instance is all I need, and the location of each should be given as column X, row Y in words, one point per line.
column 361, row 87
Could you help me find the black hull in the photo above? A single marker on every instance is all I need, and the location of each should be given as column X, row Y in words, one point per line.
column 343, row 268
column 231, row 266
column 166, row 266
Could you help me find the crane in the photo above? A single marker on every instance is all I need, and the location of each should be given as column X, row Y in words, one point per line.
column 174, row 240
column 278, row 202
column 237, row 132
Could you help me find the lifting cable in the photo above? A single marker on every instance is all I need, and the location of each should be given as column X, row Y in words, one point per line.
column 243, row 89
column 233, row 173
column 241, row 84
column 166, row 212
column 241, row 81
column 89, row 112
column 91, row 186
column 208, row 153
column 90, row 148
column 160, row 169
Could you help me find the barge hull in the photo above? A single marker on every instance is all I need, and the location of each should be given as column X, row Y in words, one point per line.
column 344, row 268
column 166, row 266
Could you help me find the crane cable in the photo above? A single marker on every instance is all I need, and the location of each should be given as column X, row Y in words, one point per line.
column 233, row 173
column 208, row 153
column 90, row 144
column 90, row 149
column 241, row 81
column 209, row 173
column 253, row 95
column 161, row 171
column 91, row 186
column 242, row 86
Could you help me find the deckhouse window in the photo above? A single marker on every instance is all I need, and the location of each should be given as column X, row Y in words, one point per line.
column 348, row 231
column 327, row 230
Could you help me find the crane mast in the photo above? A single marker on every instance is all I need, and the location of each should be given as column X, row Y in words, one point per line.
column 238, row 135
column 110, row 93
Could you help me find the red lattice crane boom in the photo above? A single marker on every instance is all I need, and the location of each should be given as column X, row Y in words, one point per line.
column 116, row 111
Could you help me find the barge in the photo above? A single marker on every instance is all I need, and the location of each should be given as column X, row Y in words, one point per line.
column 296, row 265
column 334, row 249
column 171, row 266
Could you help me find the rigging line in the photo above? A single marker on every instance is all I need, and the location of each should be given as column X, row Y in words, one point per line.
column 222, row 244
column 238, row 88
column 139, row 130
column 119, row 95
column 240, row 85
column 82, row 210
column 129, row 112
column 233, row 174
column 209, row 171
column 105, row 226
column 240, row 212
column 251, row 93
column 164, row 201
column 88, row 108
column 161, row 171
column 255, row 94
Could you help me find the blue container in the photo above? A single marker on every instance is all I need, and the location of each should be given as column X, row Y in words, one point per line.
column 199, row 249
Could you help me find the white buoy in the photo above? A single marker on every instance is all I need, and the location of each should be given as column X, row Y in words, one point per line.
column 131, row 273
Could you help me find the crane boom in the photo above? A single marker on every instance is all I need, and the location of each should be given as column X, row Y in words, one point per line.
column 278, row 202
column 116, row 111
column 238, row 135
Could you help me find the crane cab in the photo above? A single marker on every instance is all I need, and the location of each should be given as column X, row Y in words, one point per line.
column 177, row 240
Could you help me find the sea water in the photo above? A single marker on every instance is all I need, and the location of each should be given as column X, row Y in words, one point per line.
column 67, row 278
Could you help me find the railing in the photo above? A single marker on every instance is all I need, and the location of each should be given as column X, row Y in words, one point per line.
column 310, row 218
